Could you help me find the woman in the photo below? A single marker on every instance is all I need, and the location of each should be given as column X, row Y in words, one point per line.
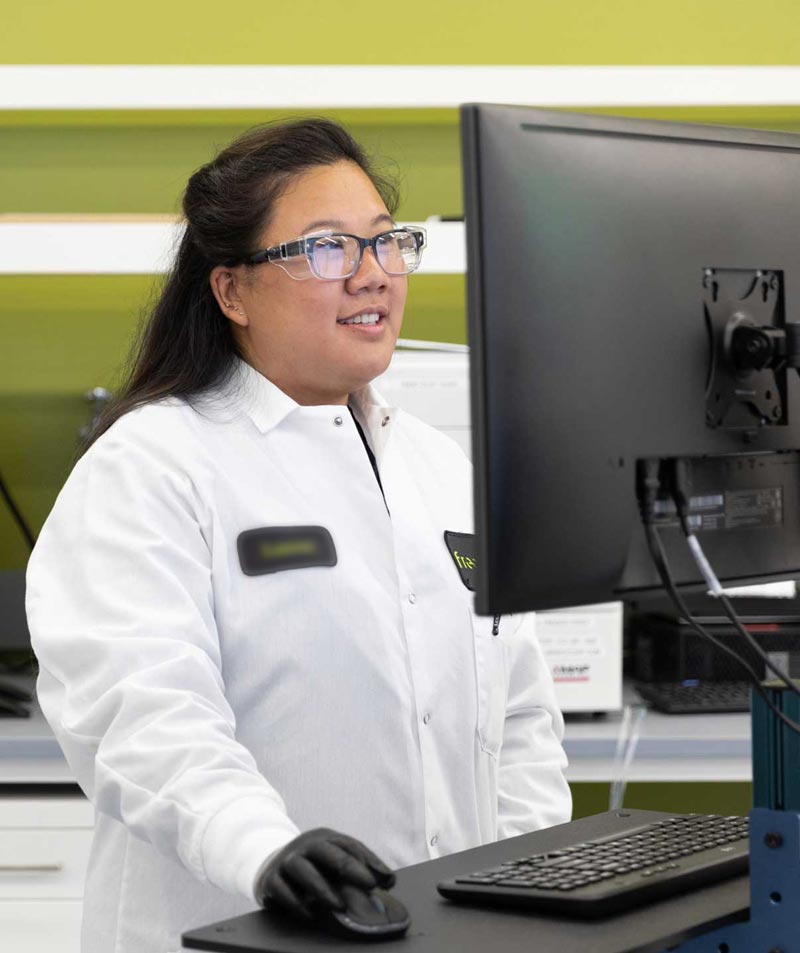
column 249, row 619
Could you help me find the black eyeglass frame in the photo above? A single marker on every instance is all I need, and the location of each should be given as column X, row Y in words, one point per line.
column 302, row 247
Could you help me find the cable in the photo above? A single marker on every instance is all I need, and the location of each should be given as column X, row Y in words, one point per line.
column 627, row 740
column 730, row 612
column 667, row 580
column 30, row 539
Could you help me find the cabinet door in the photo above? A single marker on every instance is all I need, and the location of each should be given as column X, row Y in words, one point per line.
column 41, row 926
column 44, row 849
column 43, row 864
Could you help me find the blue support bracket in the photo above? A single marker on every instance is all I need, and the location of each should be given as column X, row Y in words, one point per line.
column 774, row 924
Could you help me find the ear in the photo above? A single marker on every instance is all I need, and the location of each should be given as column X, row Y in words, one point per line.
column 224, row 285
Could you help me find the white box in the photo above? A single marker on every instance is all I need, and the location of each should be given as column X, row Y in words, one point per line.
column 583, row 647
column 434, row 386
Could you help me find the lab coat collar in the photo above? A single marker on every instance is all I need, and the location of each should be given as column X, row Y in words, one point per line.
column 375, row 415
column 267, row 405
column 264, row 403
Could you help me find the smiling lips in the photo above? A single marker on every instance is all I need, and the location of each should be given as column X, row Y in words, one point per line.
column 368, row 319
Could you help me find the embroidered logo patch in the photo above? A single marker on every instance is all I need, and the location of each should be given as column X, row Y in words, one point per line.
column 276, row 548
column 461, row 547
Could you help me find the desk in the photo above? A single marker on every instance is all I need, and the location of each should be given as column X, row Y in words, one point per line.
column 440, row 926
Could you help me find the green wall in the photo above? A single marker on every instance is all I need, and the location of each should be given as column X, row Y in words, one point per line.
column 362, row 31
column 722, row 797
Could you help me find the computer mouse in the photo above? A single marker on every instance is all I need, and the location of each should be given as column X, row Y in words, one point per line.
column 373, row 915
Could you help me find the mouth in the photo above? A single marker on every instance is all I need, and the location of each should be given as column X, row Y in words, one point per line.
column 368, row 320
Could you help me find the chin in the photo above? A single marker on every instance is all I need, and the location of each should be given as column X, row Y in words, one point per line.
column 366, row 373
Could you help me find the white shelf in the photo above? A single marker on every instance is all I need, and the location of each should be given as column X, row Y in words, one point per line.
column 362, row 87
column 145, row 246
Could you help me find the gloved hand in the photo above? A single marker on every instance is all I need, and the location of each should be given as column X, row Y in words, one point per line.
column 304, row 876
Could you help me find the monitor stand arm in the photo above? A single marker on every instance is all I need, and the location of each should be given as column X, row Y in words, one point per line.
column 773, row 926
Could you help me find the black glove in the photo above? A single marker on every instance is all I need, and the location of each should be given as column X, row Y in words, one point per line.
column 303, row 878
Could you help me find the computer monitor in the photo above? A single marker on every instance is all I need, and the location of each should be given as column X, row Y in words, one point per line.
column 625, row 282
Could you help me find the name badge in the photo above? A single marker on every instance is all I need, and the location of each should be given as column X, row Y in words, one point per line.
column 277, row 548
column 461, row 547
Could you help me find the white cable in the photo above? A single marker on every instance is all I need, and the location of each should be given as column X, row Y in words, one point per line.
column 628, row 739
column 703, row 565
column 619, row 759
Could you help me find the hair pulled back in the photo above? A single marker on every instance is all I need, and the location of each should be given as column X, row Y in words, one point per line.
column 187, row 345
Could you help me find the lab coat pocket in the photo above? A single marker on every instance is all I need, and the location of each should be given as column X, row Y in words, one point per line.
column 492, row 682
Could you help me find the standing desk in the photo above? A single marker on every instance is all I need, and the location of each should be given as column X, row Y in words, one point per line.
column 440, row 926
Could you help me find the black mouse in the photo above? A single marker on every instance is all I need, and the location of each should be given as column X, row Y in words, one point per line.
column 373, row 915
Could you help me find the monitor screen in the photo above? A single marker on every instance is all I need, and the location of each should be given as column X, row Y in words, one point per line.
column 632, row 289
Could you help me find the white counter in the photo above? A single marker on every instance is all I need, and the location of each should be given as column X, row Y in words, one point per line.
column 670, row 748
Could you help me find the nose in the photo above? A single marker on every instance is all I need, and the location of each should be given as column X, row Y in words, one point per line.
column 370, row 275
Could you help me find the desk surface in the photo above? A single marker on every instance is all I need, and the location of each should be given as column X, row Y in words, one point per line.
column 440, row 926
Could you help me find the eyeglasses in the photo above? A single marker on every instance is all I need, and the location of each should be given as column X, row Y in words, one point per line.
column 332, row 257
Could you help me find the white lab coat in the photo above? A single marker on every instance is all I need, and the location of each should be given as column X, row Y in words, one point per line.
column 211, row 715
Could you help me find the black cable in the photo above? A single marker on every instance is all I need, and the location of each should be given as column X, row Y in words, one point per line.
column 667, row 580
column 18, row 517
column 730, row 612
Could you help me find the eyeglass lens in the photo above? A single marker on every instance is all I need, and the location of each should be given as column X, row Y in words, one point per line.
column 336, row 256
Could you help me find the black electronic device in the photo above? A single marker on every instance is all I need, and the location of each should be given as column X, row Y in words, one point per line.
column 695, row 697
column 373, row 915
column 16, row 656
column 602, row 876
column 690, row 671
column 632, row 298
column 14, row 634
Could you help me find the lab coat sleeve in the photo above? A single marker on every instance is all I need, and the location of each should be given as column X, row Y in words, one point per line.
column 121, row 614
column 532, row 791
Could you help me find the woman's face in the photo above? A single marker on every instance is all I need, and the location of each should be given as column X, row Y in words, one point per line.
column 293, row 331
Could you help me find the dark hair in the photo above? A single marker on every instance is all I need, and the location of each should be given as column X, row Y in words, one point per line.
column 186, row 345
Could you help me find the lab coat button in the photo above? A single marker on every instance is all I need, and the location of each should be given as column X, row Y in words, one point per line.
column 426, row 718
column 384, row 421
column 412, row 597
column 434, row 840
column 338, row 421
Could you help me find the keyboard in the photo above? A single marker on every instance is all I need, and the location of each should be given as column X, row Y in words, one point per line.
column 610, row 874
column 693, row 696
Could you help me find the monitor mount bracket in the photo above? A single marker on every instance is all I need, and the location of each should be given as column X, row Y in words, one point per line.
column 752, row 347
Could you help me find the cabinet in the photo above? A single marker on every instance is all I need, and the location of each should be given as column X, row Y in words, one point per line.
column 44, row 851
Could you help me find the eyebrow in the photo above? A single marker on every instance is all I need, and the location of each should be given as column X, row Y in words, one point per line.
column 332, row 223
